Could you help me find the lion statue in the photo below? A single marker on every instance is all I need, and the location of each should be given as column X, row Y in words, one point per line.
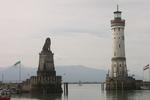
column 47, row 44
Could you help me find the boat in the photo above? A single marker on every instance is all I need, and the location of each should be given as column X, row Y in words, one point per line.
column 4, row 94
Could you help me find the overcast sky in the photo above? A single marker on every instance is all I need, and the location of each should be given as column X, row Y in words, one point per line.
column 79, row 31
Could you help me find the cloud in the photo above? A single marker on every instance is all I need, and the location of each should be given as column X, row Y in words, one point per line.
column 80, row 30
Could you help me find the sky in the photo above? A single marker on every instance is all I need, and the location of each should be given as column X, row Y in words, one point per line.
column 79, row 30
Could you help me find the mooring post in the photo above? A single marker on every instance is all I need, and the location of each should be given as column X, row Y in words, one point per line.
column 102, row 86
column 65, row 88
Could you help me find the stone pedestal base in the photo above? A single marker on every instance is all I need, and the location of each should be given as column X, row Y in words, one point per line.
column 46, row 89
column 128, row 83
column 43, row 84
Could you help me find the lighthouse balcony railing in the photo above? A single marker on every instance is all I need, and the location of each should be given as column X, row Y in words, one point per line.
column 117, row 23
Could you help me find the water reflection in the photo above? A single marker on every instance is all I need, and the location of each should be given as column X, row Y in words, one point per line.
column 66, row 96
column 39, row 97
column 48, row 97
column 88, row 92
column 119, row 95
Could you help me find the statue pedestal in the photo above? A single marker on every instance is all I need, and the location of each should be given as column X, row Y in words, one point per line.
column 46, row 80
column 46, row 64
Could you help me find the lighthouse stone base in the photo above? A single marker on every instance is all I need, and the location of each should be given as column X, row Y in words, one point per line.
column 128, row 83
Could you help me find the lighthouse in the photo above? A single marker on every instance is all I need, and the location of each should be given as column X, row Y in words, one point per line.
column 118, row 66
column 118, row 78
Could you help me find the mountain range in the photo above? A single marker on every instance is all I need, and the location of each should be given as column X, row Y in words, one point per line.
column 69, row 73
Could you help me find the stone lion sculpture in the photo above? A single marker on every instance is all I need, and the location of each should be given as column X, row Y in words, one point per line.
column 47, row 44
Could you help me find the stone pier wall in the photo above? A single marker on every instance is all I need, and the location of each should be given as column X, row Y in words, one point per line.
column 43, row 81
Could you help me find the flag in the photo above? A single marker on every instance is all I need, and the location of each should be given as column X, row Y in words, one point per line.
column 146, row 67
column 18, row 62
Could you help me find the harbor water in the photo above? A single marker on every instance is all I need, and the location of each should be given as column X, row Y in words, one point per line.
column 88, row 92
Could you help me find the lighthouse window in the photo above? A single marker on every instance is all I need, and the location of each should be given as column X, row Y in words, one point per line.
column 119, row 45
column 114, row 53
column 120, row 72
column 122, row 37
column 114, row 29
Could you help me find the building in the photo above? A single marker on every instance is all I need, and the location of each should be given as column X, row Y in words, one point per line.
column 119, row 67
column 46, row 80
column 118, row 77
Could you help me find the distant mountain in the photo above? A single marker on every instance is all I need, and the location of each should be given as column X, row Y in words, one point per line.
column 11, row 74
column 72, row 73
column 80, row 73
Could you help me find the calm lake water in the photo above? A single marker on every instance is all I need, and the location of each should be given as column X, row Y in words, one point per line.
column 89, row 92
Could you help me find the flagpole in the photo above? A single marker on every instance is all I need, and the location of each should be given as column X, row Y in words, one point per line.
column 20, row 72
column 149, row 74
column 143, row 78
column 143, row 75
column 18, row 63
column 2, row 78
column 145, row 68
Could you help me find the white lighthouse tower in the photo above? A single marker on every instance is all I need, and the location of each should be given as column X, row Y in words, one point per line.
column 118, row 79
column 118, row 67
